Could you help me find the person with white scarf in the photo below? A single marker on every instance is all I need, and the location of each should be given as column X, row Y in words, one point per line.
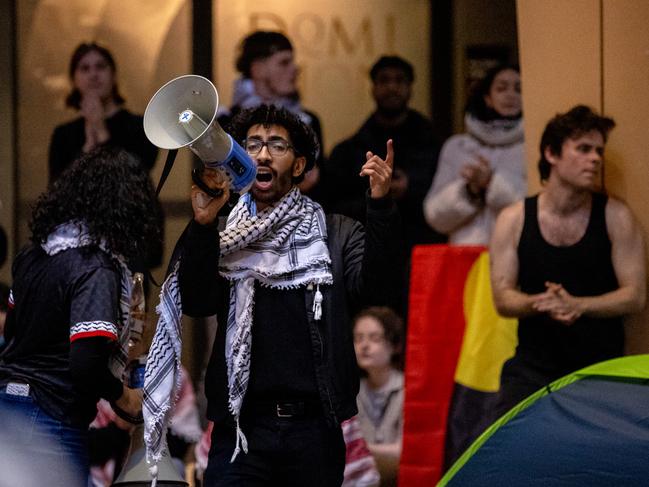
column 478, row 174
column 68, row 324
column 483, row 170
column 284, row 281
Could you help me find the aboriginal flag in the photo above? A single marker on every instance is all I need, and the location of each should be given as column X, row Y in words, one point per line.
column 456, row 346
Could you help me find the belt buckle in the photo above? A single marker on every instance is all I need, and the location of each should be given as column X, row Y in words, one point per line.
column 279, row 408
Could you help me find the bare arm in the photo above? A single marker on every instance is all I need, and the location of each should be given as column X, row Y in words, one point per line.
column 390, row 451
column 509, row 301
column 628, row 256
column 129, row 402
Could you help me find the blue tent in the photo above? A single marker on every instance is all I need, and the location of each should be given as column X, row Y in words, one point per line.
column 589, row 428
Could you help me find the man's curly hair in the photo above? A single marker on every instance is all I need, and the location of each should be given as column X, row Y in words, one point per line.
column 579, row 120
column 109, row 191
column 303, row 139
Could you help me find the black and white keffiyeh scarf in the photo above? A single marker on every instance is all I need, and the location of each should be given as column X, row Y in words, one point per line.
column 74, row 235
column 162, row 374
column 283, row 246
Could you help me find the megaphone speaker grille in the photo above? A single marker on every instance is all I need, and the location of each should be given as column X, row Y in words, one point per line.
column 161, row 118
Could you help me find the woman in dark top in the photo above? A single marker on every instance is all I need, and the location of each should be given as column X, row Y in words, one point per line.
column 103, row 120
column 68, row 322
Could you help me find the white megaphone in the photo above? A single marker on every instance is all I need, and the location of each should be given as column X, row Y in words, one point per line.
column 183, row 113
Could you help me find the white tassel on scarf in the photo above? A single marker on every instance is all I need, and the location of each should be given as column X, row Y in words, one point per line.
column 317, row 304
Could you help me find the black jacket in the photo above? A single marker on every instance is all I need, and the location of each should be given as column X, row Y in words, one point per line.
column 126, row 131
column 364, row 265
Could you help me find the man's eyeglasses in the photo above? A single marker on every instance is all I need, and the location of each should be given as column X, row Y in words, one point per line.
column 276, row 147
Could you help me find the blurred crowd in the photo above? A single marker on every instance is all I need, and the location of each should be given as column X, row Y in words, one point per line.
column 72, row 291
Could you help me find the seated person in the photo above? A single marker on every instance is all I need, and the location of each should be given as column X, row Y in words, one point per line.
column 378, row 338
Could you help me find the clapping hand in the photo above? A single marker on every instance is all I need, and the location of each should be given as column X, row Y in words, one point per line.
column 477, row 175
column 558, row 303
column 93, row 113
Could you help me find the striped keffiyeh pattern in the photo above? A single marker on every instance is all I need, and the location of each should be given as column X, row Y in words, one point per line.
column 283, row 246
column 162, row 375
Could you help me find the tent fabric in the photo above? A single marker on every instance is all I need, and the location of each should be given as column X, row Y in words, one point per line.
column 588, row 428
column 454, row 335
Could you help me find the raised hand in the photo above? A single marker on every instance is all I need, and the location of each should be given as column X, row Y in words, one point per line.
column 205, row 207
column 92, row 109
column 94, row 115
column 379, row 171
column 477, row 174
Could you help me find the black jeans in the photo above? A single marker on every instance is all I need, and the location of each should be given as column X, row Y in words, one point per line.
column 297, row 451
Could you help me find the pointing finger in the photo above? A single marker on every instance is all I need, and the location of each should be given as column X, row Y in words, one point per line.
column 389, row 158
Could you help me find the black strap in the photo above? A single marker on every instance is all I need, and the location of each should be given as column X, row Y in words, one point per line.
column 139, row 419
column 171, row 157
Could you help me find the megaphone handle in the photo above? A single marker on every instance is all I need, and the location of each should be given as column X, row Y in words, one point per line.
column 198, row 181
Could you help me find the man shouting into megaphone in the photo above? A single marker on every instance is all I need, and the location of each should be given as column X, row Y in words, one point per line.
column 284, row 280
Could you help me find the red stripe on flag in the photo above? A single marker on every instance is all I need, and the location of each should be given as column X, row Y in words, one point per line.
column 435, row 333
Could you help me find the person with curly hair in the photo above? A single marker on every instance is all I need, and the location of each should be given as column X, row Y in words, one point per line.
column 103, row 120
column 284, row 281
column 68, row 322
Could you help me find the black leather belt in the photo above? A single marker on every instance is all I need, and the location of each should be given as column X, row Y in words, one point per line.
column 297, row 409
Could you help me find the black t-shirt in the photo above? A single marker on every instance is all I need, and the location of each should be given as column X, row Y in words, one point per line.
column 281, row 360
column 281, row 365
column 61, row 330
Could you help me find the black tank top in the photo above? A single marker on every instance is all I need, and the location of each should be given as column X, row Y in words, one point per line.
column 584, row 269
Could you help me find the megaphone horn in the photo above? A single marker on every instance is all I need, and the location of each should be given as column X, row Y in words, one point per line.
column 136, row 470
column 183, row 113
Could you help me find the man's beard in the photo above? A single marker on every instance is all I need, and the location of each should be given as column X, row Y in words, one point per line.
column 392, row 111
